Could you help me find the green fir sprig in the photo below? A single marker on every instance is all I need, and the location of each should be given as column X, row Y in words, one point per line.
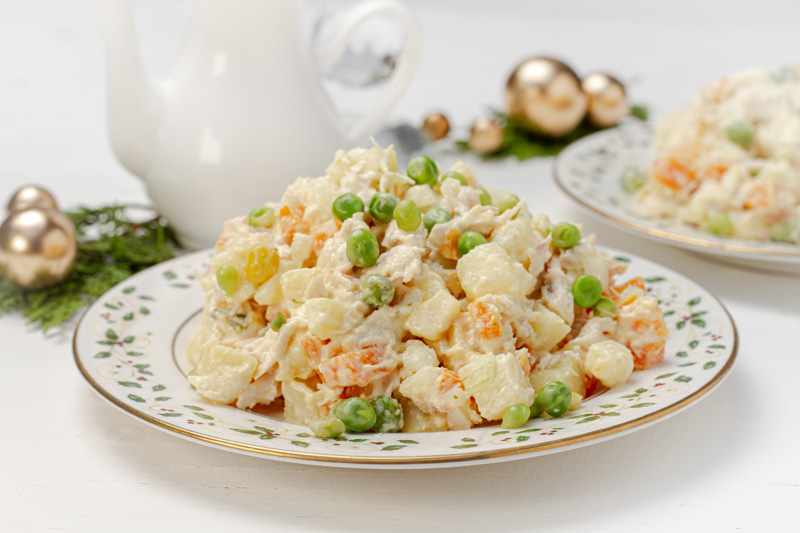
column 521, row 143
column 111, row 248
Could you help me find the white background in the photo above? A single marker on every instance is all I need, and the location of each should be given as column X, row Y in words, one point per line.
column 69, row 461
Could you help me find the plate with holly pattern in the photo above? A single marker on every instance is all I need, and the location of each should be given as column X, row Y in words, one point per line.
column 131, row 347
column 589, row 172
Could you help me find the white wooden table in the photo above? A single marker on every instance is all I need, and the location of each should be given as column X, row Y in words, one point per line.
column 69, row 461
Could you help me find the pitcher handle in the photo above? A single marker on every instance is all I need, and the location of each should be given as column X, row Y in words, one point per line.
column 403, row 72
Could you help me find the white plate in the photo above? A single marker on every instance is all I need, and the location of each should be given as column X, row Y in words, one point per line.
column 589, row 172
column 131, row 343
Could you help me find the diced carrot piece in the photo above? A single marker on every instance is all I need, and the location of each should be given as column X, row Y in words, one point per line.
column 321, row 233
column 759, row 196
column 289, row 218
column 356, row 368
column 448, row 380
column 672, row 173
column 450, row 245
column 714, row 172
column 616, row 292
column 650, row 354
column 313, row 348
column 486, row 322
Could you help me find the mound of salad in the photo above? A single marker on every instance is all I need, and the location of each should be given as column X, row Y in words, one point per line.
column 372, row 299
column 729, row 162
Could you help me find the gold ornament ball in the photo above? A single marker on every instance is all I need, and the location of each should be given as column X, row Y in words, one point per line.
column 545, row 94
column 608, row 103
column 31, row 196
column 436, row 126
column 486, row 136
column 37, row 247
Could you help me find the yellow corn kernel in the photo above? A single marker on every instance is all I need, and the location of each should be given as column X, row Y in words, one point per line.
column 576, row 401
column 262, row 264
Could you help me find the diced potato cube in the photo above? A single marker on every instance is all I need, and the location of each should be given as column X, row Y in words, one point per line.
column 421, row 383
column 422, row 195
column 269, row 293
column 328, row 317
column 415, row 420
column 429, row 282
column 294, row 283
column 517, row 237
column 548, row 327
column 497, row 382
column 435, row 389
column 488, row 269
column 610, row 362
column 302, row 244
column 478, row 374
column 434, row 316
column 299, row 402
column 565, row 367
column 416, row 356
column 230, row 258
column 223, row 373
column 295, row 363
column 263, row 391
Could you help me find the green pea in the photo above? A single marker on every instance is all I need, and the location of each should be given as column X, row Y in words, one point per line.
column 633, row 178
column 486, row 198
column 407, row 215
column 456, row 176
column 536, row 410
column 586, row 290
column 382, row 205
column 554, row 398
column 356, row 413
column 780, row 232
column 605, row 307
column 422, row 170
column 362, row 248
column 516, row 415
column 435, row 216
column 388, row 415
column 277, row 322
column 377, row 290
column 327, row 427
column 740, row 133
column 719, row 223
column 346, row 206
column 262, row 217
column 227, row 279
column 469, row 240
column 507, row 201
column 565, row 235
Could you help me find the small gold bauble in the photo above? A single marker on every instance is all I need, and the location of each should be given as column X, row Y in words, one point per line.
column 37, row 247
column 545, row 95
column 486, row 136
column 607, row 101
column 436, row 126
column 31, row 196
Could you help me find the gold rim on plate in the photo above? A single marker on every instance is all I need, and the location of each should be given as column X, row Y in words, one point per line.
column 695, row 243
column 409, row 460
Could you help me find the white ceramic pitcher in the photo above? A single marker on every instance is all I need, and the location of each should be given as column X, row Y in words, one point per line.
column 242, row 112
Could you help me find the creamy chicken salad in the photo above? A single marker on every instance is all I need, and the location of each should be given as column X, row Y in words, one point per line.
column 730, row 161
column 370, row 299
